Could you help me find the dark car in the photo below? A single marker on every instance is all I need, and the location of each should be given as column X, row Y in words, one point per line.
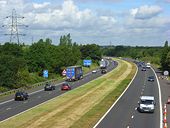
column 103, row 71
column 49, row 87
column 143, row 69
column 151, row 78
column 65, row 86
column 21, row 95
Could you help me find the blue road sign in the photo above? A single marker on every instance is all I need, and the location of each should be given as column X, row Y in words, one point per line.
column 87, row 62
column 45, row 73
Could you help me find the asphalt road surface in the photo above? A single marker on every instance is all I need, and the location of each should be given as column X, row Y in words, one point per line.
column 10, row 108
column 124, row 113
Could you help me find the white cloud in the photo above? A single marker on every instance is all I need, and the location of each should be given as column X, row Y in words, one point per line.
column 146, row 12
column 43, row 5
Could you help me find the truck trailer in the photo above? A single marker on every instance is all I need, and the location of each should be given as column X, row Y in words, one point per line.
column 74, row 73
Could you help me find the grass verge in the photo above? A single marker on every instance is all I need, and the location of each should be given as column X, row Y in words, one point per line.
column 78, row 105
column 89, row 119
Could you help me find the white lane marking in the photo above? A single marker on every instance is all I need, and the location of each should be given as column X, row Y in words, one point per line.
column 116, row 100
column 128, row 127
column 6, row 101
column 25, row 102
column 132, row 117
column 136, row 108
column 52, row 99
column 160, row 100
column 8, row 108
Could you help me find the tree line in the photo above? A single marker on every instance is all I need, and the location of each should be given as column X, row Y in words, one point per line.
column 159, row 56
column 21, row 65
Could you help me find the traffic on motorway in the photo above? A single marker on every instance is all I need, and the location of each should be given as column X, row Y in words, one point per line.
column 139, row 106
column 28, row 100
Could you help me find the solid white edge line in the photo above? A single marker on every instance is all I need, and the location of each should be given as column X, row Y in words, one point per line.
column 160, row 100
column 47, row 100
column 116, row 100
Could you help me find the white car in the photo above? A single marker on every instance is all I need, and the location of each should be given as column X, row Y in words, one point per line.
column 94, row 71
column 148, row 65
column 146, row 104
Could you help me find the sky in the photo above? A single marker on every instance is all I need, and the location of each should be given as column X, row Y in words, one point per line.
column 104, row 22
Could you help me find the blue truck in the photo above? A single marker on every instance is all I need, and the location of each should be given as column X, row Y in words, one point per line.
column 74, row 73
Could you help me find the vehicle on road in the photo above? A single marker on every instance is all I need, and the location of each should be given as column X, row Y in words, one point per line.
column 151, row 78
column 146, row 104
column 103, row 64
column 21, row 95
column 74, row 73
column 49, row 87
column 143, row 69
column 65, row 86
column 94, row 71
column 148, row 65
column 103, row 71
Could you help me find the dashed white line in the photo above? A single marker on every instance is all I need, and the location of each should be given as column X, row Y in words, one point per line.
column 132, row 117
column 136, row 108
column 128, row 127
column 8, row 108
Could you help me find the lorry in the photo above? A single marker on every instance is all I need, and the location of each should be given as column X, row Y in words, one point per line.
column 103, row 64
column 74, row 73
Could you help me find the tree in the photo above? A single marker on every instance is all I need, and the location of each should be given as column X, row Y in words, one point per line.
column 164, row 54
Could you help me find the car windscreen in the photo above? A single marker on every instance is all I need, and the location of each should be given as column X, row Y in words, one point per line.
column 147, row 102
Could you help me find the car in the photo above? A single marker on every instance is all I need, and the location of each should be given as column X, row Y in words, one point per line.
column 151, row 78
column 21, row 95
column 65, row 86
column 94, row 72
column 143, row 69
column 49, row 87
column 146, row 104
column 148, row 65
column 103, row 71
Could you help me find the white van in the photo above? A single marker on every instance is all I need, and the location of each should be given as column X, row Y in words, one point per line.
column 146, row 104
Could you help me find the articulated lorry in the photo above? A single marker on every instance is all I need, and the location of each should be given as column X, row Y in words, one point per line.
column 74, row 73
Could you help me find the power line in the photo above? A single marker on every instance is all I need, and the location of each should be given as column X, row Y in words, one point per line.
column 14, row 26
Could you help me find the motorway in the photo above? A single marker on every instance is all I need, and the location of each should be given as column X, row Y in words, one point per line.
column 124, row 113
column 11, row 108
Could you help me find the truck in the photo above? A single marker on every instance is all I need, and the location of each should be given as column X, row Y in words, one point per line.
column 103, row 64
column 74, row 73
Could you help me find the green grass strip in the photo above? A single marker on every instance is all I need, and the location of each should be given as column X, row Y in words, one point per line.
column 89, row 119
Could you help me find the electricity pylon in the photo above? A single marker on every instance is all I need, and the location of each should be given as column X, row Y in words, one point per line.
column 13, row 26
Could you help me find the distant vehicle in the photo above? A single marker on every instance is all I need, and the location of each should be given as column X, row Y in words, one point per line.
column 103, row 71
column 146, row 104
column 49, row 87
column 143, row 69
column 94, row 71
column 74, row 73
column 65, row 86
column 151, row 78
column 103, row 64
column 21, row 95
column 148, row 65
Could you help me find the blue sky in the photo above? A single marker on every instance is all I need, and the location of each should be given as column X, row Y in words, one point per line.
column 121, row 22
